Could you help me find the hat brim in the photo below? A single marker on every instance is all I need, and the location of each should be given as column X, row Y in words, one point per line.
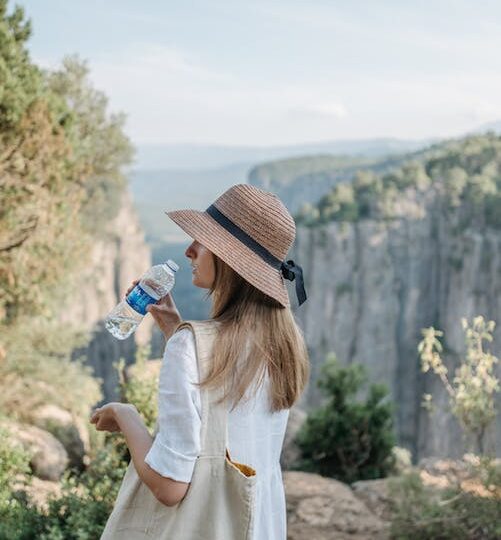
column 203, row 228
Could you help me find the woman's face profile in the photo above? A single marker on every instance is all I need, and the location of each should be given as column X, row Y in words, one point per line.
column 203, row 267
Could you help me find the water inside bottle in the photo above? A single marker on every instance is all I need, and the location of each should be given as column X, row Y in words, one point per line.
column 121, row 327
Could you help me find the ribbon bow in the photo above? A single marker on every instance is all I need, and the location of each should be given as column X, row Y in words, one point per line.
column 291, row 271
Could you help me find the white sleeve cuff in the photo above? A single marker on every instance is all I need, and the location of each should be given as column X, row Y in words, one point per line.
column 170, row 463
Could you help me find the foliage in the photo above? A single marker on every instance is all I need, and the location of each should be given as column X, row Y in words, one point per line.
column 452, row 514
column 61, row 155
column 20, row 79
column 40, row 239
column 15, row 520
column 87, row 499
column 472, row 390
column 14, row 461
column 79, row 513
column 463, row 176
column 348, row 439
column 284, row 172
column 140, row 388
column 99, row 146
column 37, row 369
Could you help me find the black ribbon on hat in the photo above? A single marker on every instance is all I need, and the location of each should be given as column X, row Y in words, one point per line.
column 292, row 271
column 289, row 269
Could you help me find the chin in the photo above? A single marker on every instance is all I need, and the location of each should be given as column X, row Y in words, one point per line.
column 198, row 284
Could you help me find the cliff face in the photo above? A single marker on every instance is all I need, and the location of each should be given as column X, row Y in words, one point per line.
column 119, row 257
column 373, row 285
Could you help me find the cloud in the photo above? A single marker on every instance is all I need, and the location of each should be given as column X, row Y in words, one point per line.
column 327, row 109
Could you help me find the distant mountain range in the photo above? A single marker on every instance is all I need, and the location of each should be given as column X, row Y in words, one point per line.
column 191, row 156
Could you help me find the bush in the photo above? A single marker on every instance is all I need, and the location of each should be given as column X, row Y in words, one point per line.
column 16, row 521
column 450, row 514
column 348, row 439
column 37, row 369
column 472, row 391
column 140, row 386
column 87, row 498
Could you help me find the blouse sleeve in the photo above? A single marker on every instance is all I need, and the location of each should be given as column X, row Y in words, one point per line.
column 177, row 443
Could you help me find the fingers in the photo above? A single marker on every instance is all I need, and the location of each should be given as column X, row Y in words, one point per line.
column 167, row 300
column 134, row 283
column 162, row 310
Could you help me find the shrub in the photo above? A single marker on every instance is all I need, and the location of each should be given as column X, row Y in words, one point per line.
column 450, row 514
column 473, row 389
column 16, row 520
column 348, row 439
column 87, row 498
column 140, row 389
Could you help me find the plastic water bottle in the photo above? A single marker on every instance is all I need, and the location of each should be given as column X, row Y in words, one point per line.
column 155, row 284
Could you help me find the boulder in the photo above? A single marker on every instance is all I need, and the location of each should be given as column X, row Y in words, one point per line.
column 48, row 456
column 290, row 452
column 376, row 496
column 38, row 492
column 71, row 432
column 321, row 508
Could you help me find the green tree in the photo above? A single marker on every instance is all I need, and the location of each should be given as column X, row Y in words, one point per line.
column 61, row 159
column 348, row 439
column 20, row 79
column 100, row 147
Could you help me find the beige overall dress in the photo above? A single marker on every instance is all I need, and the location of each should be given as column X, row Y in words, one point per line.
column 219, row 503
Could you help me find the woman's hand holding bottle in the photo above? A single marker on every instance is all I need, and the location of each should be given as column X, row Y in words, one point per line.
column 164, row 312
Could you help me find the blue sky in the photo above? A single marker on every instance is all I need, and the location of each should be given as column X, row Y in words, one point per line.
column 265, row 72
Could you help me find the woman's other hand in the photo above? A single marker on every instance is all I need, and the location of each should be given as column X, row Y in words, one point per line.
column 166, row 315
column 105, row 418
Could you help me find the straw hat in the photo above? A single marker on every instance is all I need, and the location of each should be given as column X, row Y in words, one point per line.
column 251, row 231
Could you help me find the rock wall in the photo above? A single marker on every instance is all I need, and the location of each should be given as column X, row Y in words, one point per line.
column 373, row 285
column 117, row 258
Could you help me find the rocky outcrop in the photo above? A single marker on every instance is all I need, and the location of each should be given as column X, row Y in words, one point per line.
column 375, row 494
column 118, row 256
column 321, row 508
column 373, row 285
column 70, row 431
column 48, row 458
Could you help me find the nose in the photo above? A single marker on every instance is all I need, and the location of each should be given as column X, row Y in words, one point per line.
column 191, row 251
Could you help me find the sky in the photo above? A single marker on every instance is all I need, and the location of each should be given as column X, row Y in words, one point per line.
column 265, row 72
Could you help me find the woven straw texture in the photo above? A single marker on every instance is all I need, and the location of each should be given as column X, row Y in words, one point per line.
column 263, row 217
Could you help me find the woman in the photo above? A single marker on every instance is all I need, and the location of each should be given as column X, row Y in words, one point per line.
column 258, row 360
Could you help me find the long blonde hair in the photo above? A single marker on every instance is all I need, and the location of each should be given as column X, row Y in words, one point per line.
column 258, row 326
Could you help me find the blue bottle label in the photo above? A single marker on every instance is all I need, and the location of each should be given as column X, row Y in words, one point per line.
column 139, row 300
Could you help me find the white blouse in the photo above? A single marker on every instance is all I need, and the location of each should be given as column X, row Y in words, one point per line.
column 255, row 435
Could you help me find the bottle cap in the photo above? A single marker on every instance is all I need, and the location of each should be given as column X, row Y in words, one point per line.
column 172, row 265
